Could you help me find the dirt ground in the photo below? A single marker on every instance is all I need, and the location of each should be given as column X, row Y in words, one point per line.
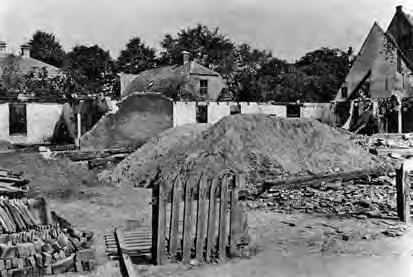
column 285, row 244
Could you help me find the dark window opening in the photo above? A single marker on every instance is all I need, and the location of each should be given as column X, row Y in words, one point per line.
column 293, row 111
column 202, row 114
column 17, row 119
column 344, row 92
column 235, row 109
column 203, row 87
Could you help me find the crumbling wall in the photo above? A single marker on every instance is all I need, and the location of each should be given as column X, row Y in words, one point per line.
column 41, row 121
column 4, row 121
column 217, row 110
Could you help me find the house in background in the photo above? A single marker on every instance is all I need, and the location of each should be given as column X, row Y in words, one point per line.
column 383, row 68
column 26, row 119
column 187, row 81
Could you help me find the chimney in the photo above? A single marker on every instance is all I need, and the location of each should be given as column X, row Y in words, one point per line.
column 399, row 8
column 25, row 50
column 2, row 48
column 185, row 57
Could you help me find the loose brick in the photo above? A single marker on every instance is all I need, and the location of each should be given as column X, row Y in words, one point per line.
column 48, row 270
column 47, row 259
column 32, row 261
column 62, row 255
column 17, row 272
column 47, row 248
column 75, row 242
column 91, row 265
column 7, row 263
column 32, row 249
column 56, row 256
column 2, row 265
column 39, row 259
column 4, row 273
column 15, row 262
column 29, row 271
column 23, row 250
column 62, row 240
column 55, row 246
column 78, row 266
column 65, row 265
column 8, row 251
column 20, row 263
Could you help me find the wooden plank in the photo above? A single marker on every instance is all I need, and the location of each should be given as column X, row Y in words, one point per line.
column 213, row 203
column 125, row 260
column 187, row 231
column 223, row 237
column 235, row 218
column 174, row 221
column 159, row 224
column 298, row 182
column 201, row 222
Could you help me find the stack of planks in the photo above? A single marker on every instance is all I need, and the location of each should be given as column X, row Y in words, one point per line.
column 15, row 215
column 12, row 183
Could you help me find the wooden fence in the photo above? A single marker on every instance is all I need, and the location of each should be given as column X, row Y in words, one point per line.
column 202, row 219
column 404, row 181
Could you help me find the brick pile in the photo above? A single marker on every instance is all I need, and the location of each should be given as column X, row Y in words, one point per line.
column 30, row 249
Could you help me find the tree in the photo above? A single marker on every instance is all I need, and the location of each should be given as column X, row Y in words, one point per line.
column 90, row 69
column 212, row 48
column 11, row 81
column 136, row 57
column 46, row 48
column 326, row 70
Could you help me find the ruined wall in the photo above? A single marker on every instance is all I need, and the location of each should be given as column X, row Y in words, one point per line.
column 319, row 111
column 41, row 121
column 278, row 110
column 217, row 110
column 184, row 113
column 4, row 121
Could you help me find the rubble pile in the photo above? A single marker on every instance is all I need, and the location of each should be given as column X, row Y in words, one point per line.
column 376, row 199
column 262, row 146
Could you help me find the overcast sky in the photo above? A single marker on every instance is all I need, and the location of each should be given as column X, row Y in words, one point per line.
column 289, row 28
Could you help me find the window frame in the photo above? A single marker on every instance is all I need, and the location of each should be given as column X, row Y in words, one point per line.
column 203, row 88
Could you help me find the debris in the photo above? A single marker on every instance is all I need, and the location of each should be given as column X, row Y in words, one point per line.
column 263, row 146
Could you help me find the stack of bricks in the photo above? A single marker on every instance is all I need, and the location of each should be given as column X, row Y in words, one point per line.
column 46, row 250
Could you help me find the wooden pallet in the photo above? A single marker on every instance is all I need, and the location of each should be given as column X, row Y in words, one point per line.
column 135, row 244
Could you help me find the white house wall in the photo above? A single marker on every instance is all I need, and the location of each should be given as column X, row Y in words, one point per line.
column 41, row 122
column 184, row 113
column 249, row 107
column 4, row 121
column 278, row 110
column 217, row 110
column 315, row 110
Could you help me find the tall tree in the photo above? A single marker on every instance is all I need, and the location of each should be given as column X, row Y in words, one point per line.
column 326, row 70
column 136, row 57
column 91, row 69
column 45, row 47
column 211, row 47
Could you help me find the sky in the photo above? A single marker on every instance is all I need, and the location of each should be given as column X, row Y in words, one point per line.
column 288, row 28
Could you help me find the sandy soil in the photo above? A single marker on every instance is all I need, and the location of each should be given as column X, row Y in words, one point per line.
column 285, row 245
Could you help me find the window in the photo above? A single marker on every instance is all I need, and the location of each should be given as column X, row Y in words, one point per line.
column 344, row 92
column 201, row 114
column 17, row 119
column 235, row 109
column 203, row 87
column 293, row 110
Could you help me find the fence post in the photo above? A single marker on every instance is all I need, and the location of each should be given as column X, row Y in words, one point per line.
column 403, row 193
column 159, row 223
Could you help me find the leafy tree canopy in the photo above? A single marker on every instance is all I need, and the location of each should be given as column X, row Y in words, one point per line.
column 136, row 57
column 46, row 48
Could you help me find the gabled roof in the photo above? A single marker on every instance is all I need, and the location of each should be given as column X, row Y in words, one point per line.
column 171, row 76
column 26, row 64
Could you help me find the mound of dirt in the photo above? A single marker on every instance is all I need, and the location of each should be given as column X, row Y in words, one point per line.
column 136, row 165
column 139, row 117
column 263, row 146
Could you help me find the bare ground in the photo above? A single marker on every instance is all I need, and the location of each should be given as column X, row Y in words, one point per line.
column 286, row 245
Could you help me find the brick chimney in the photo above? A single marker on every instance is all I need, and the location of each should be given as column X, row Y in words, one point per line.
column 2, row 48
column 185, row 57
column 25, row 50
column 399, row 9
